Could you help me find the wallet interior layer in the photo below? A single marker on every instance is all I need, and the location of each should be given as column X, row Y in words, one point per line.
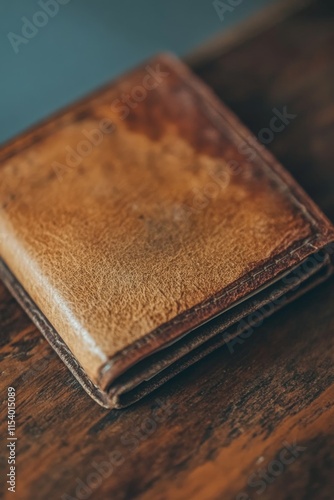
column 230, row 327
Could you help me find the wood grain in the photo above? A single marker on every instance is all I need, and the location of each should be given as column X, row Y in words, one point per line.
column 207, row 432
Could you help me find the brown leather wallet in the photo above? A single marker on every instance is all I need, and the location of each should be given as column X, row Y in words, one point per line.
column 144, row 226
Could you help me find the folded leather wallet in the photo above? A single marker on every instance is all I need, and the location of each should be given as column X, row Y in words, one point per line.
column 144, row 226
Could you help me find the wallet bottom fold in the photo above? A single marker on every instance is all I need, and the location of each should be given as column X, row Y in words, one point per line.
column 230, row 327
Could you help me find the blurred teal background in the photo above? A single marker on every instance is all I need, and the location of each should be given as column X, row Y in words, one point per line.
column 88, row 42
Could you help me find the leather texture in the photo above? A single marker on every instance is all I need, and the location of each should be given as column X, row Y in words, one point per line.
column 140, row 224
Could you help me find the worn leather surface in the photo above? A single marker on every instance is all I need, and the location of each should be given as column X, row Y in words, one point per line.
column 119, row 248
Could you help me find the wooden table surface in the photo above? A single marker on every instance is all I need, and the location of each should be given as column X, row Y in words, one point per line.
column 222, row 429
